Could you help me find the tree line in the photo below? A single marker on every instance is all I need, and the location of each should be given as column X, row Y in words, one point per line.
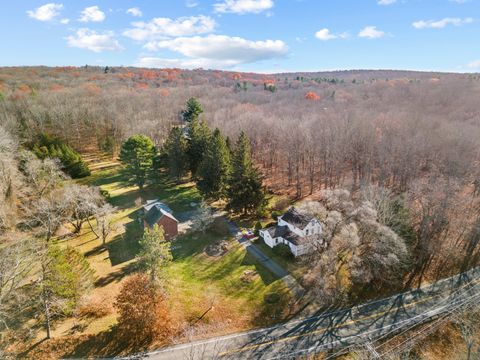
column 222, row 171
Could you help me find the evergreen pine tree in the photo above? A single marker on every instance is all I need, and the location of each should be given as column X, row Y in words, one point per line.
column 199, row 138
column 137, row 154
column 215, row 167
column 245, row 191
column 192, row 111
column 155, row 252
column 175, row 150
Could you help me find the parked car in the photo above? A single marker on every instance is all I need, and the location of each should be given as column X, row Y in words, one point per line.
column 248, row 234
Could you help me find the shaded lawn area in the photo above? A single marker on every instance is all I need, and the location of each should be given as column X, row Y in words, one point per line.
column 295, row 267
column 124, row 195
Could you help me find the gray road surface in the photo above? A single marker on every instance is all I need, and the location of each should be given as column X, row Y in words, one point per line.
column 339, row 329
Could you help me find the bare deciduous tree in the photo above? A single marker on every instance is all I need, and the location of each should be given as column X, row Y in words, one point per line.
column 203, row 218
column 105, row 222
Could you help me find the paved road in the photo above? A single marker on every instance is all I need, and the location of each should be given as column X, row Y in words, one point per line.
column 339, row 329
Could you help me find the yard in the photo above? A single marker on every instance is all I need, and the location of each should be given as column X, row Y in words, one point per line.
column 238, row 292
column 295, row 267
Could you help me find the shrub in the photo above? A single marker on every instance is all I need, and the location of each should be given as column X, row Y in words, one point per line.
column 280, row 204
column 105, row 194
column 142, row 309
column 283, row 251
column 73, row 165
column 272, row 298
column 276, row 214
column 220, row 227
column 94, row 308
column 258, row 227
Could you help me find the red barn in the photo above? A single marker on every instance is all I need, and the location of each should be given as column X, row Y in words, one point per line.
column 158, row 213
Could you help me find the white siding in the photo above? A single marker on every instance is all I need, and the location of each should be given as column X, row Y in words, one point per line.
column 267, row 238
column 293, row 247
column 314, row 227
column 301, row 250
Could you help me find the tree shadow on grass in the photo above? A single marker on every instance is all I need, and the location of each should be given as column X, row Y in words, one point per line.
column 125, row 247
column 104, row 177
column 117, row 275
column 177, row 197
column 193, row 243
column 266, row 275
column 106, row 344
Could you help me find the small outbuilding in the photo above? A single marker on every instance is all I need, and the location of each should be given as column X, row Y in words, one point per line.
column 157, row 212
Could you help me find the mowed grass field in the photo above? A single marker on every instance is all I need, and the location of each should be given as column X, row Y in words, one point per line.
column 195, row 281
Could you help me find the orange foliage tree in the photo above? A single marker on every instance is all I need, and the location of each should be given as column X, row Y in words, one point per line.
column 141, row 86
column 142, row 309
column 92, row 89
column 312, row 96
column 148, row 74
column 164, row 92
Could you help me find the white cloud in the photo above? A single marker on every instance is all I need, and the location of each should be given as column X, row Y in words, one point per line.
column 92, row 14
column 155, row 62
column 386, row 2
column 440, row 24
column 218, row 50
column 325, row 35
column 474, row 64
column 371, row 32
column 91, row 40
column 135, row 11
column 243, row 6
column 45, row 12
column 159, row 28
column 191, row 3
column 65, row 21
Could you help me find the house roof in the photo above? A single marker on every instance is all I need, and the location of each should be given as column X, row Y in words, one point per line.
column 285, row 233
column 277, row 231
column 293, row 238
column 155, row 213
column 155, row 202
column 292, row 216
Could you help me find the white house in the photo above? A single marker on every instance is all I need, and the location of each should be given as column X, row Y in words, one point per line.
column 300, row 232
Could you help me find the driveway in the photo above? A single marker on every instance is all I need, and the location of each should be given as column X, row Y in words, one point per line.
column 297, row 290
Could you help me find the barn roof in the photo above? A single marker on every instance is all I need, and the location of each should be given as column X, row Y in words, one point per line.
column 155, row 202
column 155, row 213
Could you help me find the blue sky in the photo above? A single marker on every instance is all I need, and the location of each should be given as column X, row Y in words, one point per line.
column 244, row 35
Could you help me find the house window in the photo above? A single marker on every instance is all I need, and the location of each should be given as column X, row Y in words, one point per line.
column 306, row 232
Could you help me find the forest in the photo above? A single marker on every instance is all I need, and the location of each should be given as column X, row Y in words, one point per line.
column 388, row 160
